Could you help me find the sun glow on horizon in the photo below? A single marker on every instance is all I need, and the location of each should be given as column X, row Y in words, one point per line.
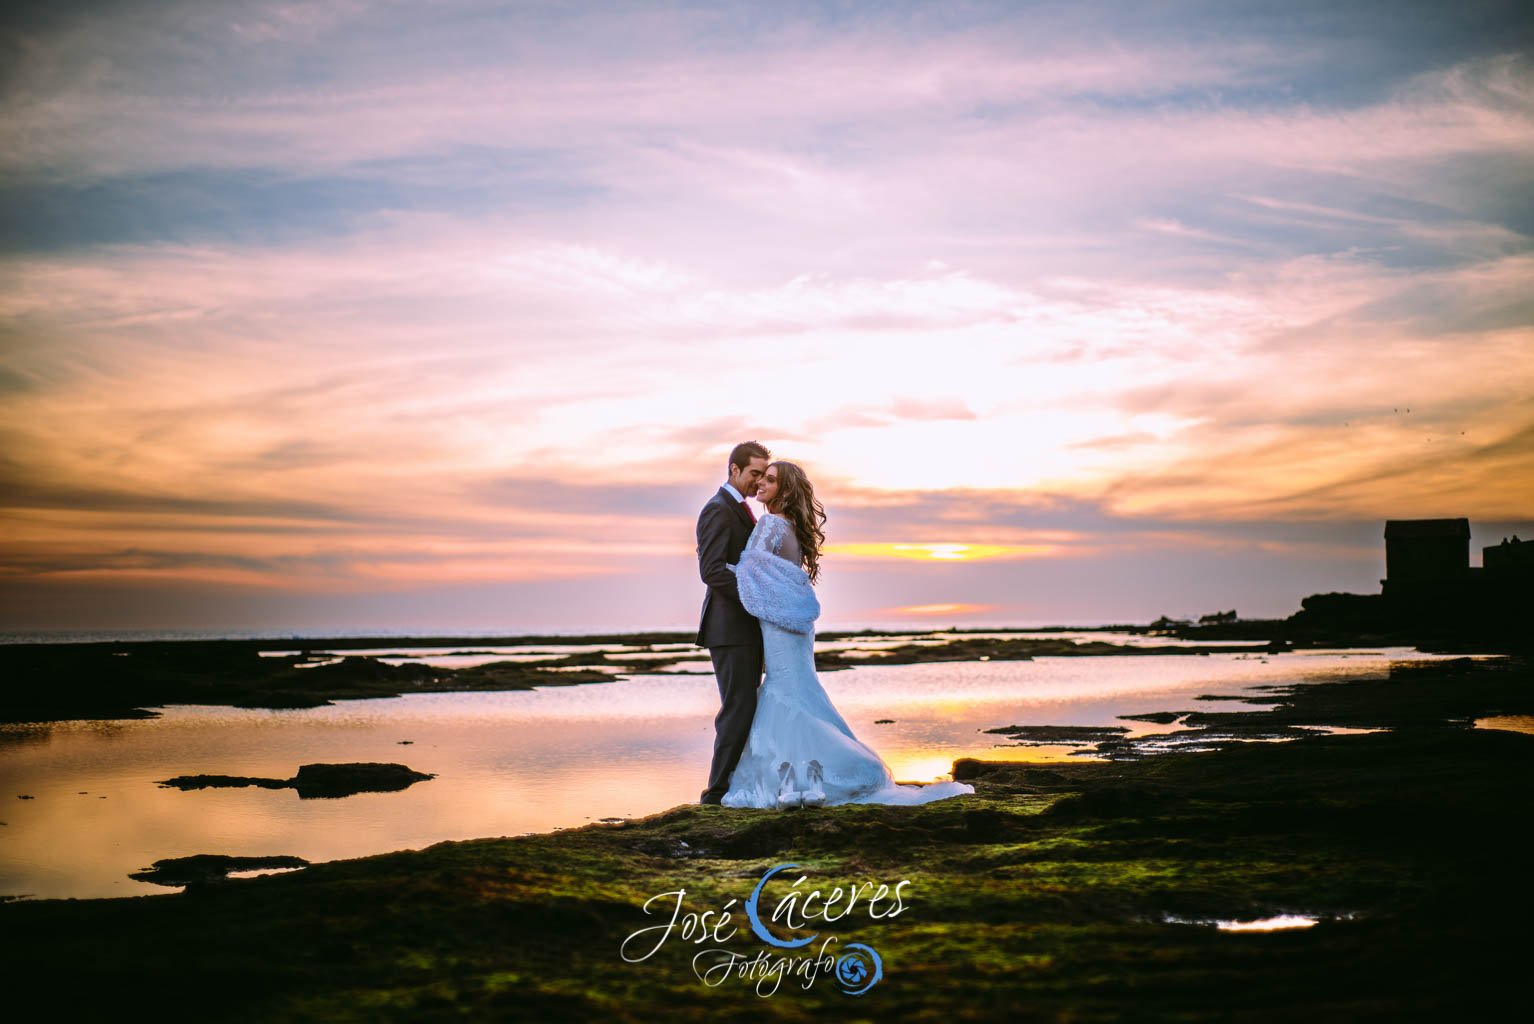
column 944, row 608
column 939, row 552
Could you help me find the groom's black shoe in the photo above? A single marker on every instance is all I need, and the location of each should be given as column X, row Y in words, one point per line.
column 712, row 800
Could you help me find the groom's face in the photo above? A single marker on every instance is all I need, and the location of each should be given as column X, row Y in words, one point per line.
column 745, row 479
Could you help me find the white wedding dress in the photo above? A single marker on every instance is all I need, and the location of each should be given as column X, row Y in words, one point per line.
column 800, row 751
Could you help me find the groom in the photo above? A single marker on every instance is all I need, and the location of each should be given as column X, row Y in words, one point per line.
column 732, row 635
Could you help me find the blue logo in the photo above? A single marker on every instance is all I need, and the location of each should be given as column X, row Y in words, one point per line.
column 858, row 969
column 856, row 972
column 756, row 921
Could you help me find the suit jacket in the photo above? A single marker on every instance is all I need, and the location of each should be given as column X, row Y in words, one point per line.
column 723, row 529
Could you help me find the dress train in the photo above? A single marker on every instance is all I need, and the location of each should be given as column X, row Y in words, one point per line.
column 801, row 751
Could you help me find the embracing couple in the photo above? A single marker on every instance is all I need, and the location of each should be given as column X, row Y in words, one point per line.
column 778, row 741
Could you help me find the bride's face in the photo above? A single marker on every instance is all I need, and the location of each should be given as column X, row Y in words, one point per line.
column 767, row 489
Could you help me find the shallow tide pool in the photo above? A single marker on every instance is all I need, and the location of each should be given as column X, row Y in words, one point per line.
column 531, row 761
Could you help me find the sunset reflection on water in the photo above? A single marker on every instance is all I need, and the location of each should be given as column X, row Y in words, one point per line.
column 514, row 762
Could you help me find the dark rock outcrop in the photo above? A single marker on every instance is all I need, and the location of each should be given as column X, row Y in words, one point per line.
column 317, row 780
column 208, row 868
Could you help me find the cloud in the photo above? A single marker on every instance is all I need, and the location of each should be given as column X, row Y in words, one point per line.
column 575, row 500
column 379, row 296
column 527, row 75
column 930, row 410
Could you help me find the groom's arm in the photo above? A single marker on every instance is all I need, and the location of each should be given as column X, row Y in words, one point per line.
column 713, row 537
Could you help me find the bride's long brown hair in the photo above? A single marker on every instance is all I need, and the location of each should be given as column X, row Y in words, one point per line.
column 797, row 503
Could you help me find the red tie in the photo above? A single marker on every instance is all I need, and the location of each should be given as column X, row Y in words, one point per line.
column 748, row 512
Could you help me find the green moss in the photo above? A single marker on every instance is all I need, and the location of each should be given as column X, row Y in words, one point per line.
column 1042, row 896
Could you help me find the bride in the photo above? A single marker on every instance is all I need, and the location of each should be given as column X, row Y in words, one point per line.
column 800, row 750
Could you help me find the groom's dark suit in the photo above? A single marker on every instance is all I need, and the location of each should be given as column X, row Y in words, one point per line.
column 732, row 635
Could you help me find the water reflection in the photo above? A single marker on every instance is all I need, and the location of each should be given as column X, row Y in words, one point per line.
column 1277, row 923
column 1508, row 723
column 513, row 762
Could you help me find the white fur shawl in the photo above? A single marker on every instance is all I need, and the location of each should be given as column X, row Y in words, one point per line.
column 773, row 588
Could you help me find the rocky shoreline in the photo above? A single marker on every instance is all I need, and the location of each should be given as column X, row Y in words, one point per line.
column 1083, row 891
column 102, row 680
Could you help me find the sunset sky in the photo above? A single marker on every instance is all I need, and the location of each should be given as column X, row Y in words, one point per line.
column 440, row 316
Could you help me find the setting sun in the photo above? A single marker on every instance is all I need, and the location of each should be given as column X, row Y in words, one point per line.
column 946, row 608
column 943, row 552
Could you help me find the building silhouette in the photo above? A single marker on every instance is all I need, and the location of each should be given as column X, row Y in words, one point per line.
column 1429, row 580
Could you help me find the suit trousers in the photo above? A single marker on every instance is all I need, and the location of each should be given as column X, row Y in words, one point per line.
column 738, row 669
